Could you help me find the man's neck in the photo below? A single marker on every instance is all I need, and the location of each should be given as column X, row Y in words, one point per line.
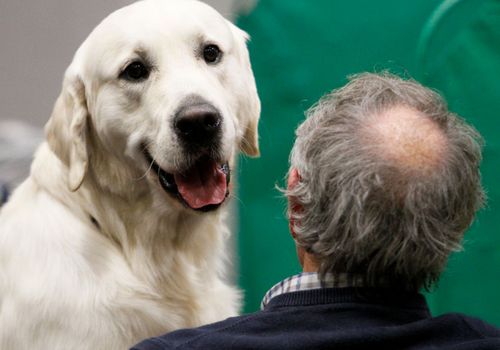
column 309, row 263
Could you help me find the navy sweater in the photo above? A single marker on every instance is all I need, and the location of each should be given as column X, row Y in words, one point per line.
column 342, row 318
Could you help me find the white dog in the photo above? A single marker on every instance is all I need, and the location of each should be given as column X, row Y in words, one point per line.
column 118, row 234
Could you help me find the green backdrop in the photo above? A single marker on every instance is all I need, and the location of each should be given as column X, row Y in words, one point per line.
column 301, row 49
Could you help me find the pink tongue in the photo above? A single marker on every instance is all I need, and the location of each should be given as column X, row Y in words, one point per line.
column 204, row 184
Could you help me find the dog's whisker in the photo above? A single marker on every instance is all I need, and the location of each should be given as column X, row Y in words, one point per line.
column 144, row 148
column 238, row 199
column 143, row 176
column 246, row 143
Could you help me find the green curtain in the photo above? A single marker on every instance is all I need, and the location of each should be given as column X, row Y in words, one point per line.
column 459, row 55
column 300, row 50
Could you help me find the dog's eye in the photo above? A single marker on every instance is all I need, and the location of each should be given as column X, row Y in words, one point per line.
column 135, row 71
column 212, row 53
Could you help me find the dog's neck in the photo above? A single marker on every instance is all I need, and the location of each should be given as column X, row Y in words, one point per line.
column 154, row 239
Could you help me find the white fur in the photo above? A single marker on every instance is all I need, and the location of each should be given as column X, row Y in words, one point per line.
column 151, row 265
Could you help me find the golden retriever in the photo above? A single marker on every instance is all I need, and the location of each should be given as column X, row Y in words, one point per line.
column 119, row 232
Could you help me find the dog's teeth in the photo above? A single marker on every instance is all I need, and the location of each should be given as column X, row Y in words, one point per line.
column 167, row 182
column 225, row 168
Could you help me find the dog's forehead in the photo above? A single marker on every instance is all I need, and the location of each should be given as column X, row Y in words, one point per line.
column 159, row 26
column 160, row 21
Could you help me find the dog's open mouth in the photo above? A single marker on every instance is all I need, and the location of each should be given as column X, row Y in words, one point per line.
column 203, row 186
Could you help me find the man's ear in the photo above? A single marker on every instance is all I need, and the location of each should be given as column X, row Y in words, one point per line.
column 249, row 102
column 66, row 130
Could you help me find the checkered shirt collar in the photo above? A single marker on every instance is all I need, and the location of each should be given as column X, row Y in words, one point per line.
column 310, row 280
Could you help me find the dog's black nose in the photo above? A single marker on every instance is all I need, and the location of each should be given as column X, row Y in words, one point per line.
column 198, row 124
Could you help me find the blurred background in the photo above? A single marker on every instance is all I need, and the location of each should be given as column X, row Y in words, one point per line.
column 300, row 50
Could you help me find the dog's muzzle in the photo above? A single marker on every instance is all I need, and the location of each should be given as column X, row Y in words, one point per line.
column 204, row 186
column 202, row 183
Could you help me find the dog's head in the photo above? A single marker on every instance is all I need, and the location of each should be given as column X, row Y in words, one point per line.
column 161, row 94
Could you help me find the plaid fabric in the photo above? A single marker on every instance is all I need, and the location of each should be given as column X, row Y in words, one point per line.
column 310, row 280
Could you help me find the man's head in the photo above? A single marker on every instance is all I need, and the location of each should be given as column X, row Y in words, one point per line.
column 386, row 181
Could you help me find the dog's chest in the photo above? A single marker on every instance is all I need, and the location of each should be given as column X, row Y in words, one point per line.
column 112, row 312
column 79, row 291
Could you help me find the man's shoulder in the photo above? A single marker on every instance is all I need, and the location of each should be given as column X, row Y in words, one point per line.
column 284, row 324
column 213, row 333
column 473, row 324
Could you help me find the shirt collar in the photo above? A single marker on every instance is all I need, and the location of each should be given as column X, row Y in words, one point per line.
column 310, row 280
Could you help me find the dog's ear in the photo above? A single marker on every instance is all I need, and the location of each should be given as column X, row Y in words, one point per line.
column 249, row 106
column 250, row 142
column 66, row 130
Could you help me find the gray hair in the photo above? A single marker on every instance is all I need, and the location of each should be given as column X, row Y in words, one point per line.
column 363, row 214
